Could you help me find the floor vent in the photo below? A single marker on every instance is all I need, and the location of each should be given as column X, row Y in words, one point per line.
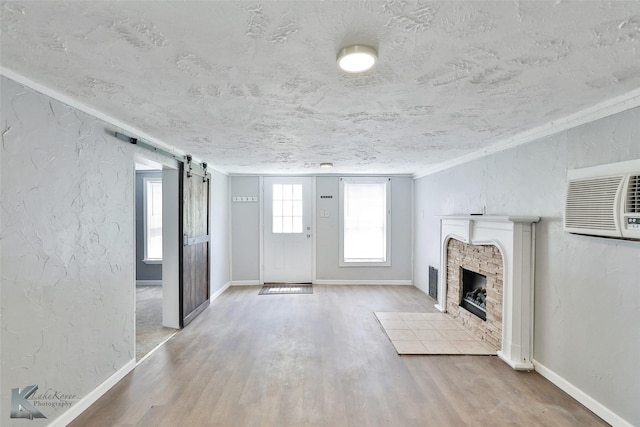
column 433, row 283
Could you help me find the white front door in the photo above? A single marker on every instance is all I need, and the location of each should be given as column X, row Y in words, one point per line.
column 288, row 230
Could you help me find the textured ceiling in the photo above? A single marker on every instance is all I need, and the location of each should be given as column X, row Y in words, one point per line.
column 253, row 87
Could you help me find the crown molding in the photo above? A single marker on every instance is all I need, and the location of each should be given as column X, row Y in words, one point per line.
column 74, row 103
column 604, row 109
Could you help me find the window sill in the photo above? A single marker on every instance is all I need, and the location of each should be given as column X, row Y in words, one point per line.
column 152, row 261
column 365, row 264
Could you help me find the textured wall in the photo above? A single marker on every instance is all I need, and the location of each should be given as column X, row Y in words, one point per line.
column 144, row 271
column 67, row 249
column 587, row 289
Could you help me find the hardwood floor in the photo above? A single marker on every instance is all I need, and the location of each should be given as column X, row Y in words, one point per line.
column 322, row 360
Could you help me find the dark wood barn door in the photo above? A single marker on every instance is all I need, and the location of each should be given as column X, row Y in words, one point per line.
column 194, row 286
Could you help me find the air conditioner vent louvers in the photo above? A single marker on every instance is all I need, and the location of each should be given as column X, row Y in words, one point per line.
column 633, row 195
column 588, row 203
column 604, row 200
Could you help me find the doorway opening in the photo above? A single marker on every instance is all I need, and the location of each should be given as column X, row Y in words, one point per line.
column 152, row 292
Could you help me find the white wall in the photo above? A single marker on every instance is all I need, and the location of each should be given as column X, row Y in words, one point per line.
column 67, row 250
column 245, row 245
column 3, row 129
column 245, row 230
column 587, row 289
column 220, row 238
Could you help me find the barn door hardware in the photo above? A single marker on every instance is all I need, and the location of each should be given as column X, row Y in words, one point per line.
column 189, row 165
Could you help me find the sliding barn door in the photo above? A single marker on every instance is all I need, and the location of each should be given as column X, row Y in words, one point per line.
column 194, row 286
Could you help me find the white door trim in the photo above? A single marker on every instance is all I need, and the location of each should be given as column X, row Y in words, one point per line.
column 261, row 207
column 314, row 211
column 312, row 219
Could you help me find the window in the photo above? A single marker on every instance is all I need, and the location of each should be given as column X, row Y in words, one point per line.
column 287, row 208
column 152, row 220
column 365, row 225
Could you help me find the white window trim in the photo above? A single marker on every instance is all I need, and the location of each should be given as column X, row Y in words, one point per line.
column 373, row 180
column 145, row 180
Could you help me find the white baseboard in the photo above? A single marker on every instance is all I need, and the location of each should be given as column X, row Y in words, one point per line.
column 593, row 405
column 219, row 292
column 334, row 282
column 93, row 396
column 245, row 283
column 364, row 282
column 148, row 282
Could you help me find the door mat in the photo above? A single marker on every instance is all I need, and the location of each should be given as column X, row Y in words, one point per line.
column 430, row 333
column 285, row 289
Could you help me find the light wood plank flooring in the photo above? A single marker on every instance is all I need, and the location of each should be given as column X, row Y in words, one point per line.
column 322, row 360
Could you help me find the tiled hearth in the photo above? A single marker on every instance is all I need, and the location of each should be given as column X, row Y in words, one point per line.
column 501, row 248
column 430, row 333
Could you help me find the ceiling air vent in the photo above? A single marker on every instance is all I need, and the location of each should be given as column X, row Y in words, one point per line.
column 604, row 201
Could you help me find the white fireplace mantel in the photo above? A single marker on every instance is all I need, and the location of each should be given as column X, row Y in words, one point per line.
column 515, row 237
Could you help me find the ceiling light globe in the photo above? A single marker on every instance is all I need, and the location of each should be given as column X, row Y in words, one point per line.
column 357, row 58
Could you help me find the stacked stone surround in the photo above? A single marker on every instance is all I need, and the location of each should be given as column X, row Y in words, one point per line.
column 485, row 260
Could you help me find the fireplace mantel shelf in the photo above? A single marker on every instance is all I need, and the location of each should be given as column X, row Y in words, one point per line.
column 515, row 237
column 493, row 218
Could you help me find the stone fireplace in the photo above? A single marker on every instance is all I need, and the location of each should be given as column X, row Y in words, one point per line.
column 501, row 250
column 466, row 261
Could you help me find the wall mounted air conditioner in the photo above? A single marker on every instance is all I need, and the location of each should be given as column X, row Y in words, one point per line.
column 604, row 201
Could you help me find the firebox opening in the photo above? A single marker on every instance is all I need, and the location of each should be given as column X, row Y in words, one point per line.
column 474, row 293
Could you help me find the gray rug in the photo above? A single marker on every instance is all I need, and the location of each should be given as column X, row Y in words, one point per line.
column 149, row 330
column 286, row 289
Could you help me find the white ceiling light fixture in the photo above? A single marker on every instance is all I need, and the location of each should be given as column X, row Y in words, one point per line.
column 326, row 165
column 357, row 58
